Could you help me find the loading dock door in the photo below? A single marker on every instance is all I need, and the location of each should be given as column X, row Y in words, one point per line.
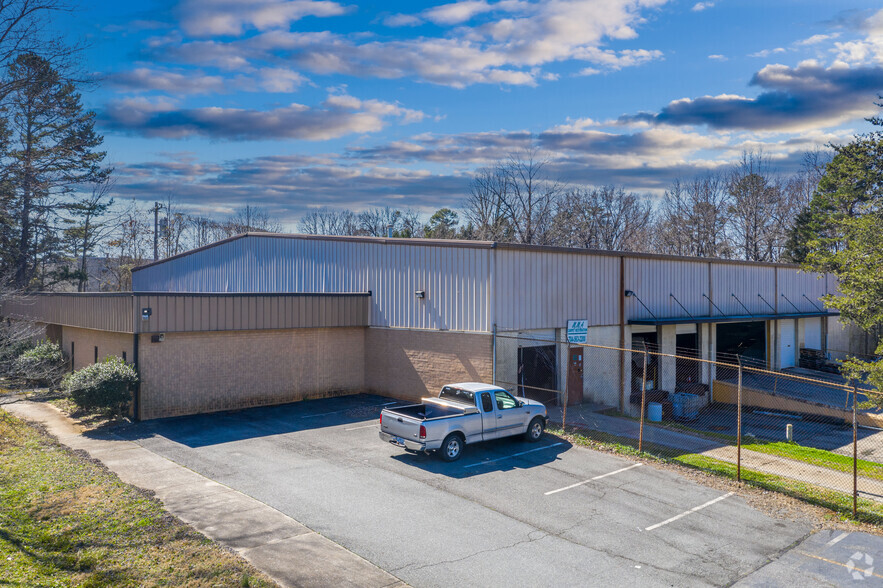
column 537, row 373
column 747, row 340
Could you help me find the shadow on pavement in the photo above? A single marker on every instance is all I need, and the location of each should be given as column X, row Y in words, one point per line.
column 224, row 427
column 499, row 455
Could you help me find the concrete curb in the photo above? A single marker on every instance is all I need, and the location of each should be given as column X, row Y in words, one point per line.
column 284, row 549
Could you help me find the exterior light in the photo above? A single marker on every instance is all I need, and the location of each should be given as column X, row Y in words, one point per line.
column 420, row 293
column 629, row 293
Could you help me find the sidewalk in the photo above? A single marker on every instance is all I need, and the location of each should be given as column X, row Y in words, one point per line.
column 284, row 549
column 585, row 416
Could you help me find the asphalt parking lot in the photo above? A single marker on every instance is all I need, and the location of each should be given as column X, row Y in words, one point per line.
column 508, row 513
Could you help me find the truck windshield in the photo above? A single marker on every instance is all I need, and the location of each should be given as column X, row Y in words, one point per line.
column 457, row 395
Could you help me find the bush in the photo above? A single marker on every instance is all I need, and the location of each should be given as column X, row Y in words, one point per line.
column 43, row 363
column 105, row 386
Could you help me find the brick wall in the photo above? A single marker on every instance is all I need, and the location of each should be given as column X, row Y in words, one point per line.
column 191, row 373
column 85, row 341
column 411, row 364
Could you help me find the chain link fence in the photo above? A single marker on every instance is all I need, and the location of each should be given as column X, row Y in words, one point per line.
column 804, row 432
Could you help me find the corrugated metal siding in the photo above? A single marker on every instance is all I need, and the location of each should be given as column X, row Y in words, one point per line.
column 746, row 283
column 454, row 279
column 794, row 284
column 261, row 264
column 654, row 280
column 104, row 312
column 235, row 312
column 535, row 290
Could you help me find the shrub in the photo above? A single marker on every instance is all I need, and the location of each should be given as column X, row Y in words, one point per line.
column 105, row 386
column 43, row 363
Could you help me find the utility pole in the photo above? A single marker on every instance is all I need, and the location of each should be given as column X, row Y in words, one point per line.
column 156, row 208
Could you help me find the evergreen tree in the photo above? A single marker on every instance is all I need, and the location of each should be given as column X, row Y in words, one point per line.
column 51, row 151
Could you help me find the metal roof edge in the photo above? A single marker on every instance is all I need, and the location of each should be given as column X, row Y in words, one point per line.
column 467, row 244
column 735, row 318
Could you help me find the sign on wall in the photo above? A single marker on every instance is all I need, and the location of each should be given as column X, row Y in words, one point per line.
column 577, row 330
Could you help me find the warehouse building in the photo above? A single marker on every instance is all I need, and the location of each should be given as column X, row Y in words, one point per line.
column 262, row 319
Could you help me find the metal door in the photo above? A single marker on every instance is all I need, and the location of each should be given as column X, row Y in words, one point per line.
column 575, row 376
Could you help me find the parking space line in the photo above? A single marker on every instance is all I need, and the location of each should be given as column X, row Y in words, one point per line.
column 592, row 479
column 363, row 427
column 837, row 539
column 472, row 465
column 691, row 511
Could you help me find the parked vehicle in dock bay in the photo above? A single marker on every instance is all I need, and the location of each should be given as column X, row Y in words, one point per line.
column 462, row 414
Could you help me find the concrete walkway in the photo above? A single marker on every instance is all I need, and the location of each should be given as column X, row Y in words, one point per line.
column 284, row 549
column 586, row 416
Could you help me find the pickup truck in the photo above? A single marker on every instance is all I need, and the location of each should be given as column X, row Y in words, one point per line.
column 463, row 413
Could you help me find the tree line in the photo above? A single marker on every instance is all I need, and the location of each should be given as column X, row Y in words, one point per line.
column 746, row 212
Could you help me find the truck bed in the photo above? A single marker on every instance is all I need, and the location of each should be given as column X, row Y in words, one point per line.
column 430, row 409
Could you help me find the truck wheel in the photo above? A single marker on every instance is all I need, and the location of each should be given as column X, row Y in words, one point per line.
column 535, row 430
column 451, row 448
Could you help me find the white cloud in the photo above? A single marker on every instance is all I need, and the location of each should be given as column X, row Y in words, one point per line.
column 145, row 79
column 509, row 43
column 816, row 39
column 204, row 18
column 280, row 80
column 717, row 57
column 767, row 52
column 402, row 20
column 338, row 115
column 700, row 6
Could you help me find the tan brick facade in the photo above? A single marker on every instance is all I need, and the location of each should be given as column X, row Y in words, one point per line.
column 411, row 364
column 191, row 373
column 86, row 340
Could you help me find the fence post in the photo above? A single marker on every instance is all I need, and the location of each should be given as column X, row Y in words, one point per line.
column 739, row 423
column 854, row 453
column 566, row 387
column 643, row 400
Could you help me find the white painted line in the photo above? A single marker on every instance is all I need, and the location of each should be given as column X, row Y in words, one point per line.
column 363, row 427
column 472, row 465
column 691, row 511
column 837, row 539
column 592, row 479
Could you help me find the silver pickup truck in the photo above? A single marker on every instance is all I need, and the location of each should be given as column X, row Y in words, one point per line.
column 463, row 413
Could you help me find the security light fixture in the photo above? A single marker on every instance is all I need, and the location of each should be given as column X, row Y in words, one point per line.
column 145, row 313
column 420, row 293
column 629, row 293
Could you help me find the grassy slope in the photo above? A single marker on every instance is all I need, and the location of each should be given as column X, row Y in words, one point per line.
column 65, row 521
column 819, row 457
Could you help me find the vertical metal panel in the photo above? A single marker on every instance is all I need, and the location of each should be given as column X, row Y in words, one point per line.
column 545, row 289
column 794, row 284
column 106, row 312
column 746, row 282
column 654, row 281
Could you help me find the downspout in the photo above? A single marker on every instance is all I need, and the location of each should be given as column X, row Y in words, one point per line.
column 622, row 406
column 492, row 296
column 136, row 399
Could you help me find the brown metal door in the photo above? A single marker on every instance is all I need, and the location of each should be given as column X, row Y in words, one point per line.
column 575, row 376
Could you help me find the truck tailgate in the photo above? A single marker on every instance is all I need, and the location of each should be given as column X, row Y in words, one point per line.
column 400, row 425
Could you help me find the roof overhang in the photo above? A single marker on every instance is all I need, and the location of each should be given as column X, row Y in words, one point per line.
column 729, row 318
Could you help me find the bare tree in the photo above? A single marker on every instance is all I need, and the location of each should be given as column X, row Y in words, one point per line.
column 251, row 219
column 487, row 207
column 693, row 218
column 327, row 221
column 606, row 218
column 532, row 196
column 759, row 212
column 129, row 246
column 379, row 222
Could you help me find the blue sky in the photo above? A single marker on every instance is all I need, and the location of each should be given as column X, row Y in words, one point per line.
column 294, row 104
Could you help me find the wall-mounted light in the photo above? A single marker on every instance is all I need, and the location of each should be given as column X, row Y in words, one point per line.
column 145, row 313
column 629, row 293
column 420, row 293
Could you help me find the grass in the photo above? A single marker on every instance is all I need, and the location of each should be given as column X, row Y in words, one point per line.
column 868, row 511
column 66, row 521
column 819, row 457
